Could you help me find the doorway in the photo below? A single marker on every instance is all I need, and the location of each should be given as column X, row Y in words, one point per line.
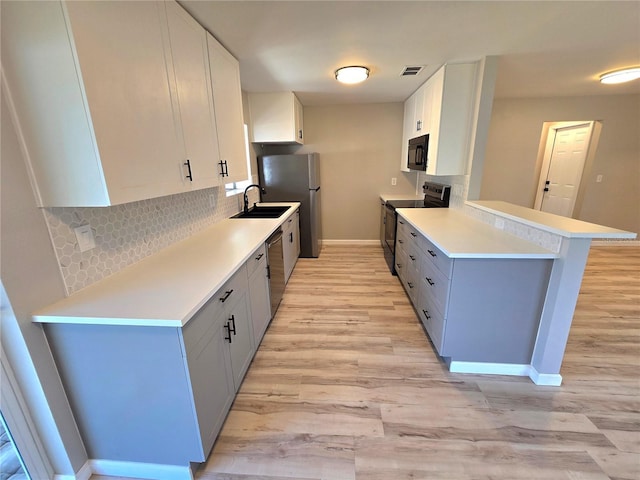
column 569, row 149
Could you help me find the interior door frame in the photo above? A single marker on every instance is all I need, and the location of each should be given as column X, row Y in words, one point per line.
column 547, row 140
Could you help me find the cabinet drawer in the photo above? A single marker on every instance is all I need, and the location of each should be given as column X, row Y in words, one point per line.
column 257, row 259
column 435, row 285
column 439, row 259
column 401, row 261
column 411, row 282
column 235, row 287
column 433, row 321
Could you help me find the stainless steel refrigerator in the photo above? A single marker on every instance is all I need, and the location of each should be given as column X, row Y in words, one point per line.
column 295, row 178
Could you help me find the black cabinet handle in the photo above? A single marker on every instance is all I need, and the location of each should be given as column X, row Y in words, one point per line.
column 188, row 164
column 410, row 284
column 400, row 241
column 429, row 281
column 426, row 314
column 290, row 237
column 400, row 222
column 300, row 134
column 228, row 337
column 233, row 322
column 398, row 265
column 412, row 258
column 432, row 253
column 259, row 257
column 226, row 295
column 413, row 234
column 224, row 169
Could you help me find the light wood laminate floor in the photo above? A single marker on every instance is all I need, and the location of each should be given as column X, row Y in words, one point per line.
column 346, row 385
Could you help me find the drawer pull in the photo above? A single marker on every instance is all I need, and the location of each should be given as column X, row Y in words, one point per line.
column 429, row 281
column 259, row 256
column 412, row 258
column 233, row 322
column 413, row 234
column 400, row 241
column 410, row 284
column 398, row 265
column 432, row 253
column 426, row 314
column 226, row 295
column 400, row 222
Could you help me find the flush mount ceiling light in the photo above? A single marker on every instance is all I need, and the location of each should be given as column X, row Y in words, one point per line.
column 352, row 74
column 621, row 76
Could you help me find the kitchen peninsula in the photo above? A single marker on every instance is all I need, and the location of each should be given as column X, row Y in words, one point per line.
column 538, row 285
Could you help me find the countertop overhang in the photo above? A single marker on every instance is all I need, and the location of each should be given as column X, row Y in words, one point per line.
column 167, row 288
column 563, row 226
column 461, row 236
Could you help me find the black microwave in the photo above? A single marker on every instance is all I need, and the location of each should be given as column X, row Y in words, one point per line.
column 418, row 149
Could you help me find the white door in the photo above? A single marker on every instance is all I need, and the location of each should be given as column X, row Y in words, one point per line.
column 565, row 169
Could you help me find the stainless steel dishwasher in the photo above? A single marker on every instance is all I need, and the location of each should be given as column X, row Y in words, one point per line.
column 275, row 270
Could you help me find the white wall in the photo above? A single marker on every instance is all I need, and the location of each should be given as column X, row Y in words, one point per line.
column 30, row 275
column 511, row 168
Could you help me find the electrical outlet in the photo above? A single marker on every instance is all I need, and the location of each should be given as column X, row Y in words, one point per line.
column 599, row 179
column 394, row 181
column 84, row 236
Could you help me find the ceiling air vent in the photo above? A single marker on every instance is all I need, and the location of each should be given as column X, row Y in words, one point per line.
column 411, row 71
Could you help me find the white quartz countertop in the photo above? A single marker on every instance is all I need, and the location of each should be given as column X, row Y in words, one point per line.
column 461, row 236
column 169, row 287
column 563, row 226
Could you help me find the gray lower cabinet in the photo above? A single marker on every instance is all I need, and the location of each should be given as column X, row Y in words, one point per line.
column 259, row 294
column 157, row 395
column 474, row 309
column 291, row 243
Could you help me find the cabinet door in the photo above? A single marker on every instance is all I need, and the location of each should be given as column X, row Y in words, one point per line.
column 190, row 62
column 418, row 114
column 209, row 371
column 407, row 130
column 260, row 301
column 227, row 99
column 123, row 65
column 299, row 120
column 241, row 343
column 290, row 252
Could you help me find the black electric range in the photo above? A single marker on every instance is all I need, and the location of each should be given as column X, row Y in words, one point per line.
column 435, row 196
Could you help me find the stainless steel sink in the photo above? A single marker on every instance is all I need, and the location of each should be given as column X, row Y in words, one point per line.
column 262, row 212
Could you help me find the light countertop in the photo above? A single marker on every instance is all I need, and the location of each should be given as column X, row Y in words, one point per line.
column 169, row 287
column 461, row 236
column 563, row 226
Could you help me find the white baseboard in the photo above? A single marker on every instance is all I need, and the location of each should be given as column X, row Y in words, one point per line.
column 150, row 471
column 518, row 370
column 549, row 379
column 351, row 242
column 83, row 474
column 489, row 368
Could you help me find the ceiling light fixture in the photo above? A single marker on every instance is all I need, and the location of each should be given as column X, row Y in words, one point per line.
column 352, row 74
column 621, row 76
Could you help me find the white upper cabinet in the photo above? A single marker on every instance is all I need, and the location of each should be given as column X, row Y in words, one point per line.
column 452, row 103
column 442, row 107
column 190, row 61
column 276, row 118
column 114, row 100
column 227, row 99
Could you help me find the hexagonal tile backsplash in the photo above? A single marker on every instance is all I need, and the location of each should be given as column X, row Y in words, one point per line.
column 127, row 233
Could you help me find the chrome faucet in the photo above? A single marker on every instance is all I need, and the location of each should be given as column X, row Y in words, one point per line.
column 246, row 198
